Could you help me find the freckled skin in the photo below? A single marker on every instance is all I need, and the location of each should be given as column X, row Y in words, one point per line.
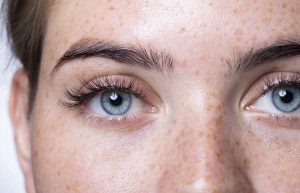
column 200, row 144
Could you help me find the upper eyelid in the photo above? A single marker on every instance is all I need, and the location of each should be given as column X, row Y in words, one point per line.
column 142, row 89
column 89, row 88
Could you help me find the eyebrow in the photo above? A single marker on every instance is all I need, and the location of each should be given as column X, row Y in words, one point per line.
column 247, row 61
column 129, row 54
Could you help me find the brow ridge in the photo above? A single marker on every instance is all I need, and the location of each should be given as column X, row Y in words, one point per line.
column 243, row 62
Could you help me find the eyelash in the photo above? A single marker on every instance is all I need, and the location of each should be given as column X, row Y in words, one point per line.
column 281, row 80
column 90, row 88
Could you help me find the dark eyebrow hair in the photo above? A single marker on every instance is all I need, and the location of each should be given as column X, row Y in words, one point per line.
column 129, row 54
column 243, row 62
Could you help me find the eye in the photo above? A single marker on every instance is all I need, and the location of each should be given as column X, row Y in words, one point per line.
column 283, row 99
column 115, row 103
column 276, row 93
column 120, row 101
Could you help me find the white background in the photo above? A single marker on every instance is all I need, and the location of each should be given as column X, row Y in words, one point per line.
column 11, row 179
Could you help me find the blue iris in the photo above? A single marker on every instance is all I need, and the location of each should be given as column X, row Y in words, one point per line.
column 116, row 102
column 286, row 99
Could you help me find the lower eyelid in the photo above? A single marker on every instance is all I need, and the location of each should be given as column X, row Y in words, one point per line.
column 129, row 122
column 273, row 121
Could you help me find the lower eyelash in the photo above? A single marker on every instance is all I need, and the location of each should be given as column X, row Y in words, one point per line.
column 76, row 97
column 103, row 120
column 286, row 121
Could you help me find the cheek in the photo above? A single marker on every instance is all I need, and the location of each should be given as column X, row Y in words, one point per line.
column 271, row 165
column 69, row 156
column 274, row 171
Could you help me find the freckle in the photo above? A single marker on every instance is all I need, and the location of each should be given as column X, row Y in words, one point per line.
column 209, row 136
column 207, row 80
column 185, row 158
column 77, row 4
column 213, row 95
column 209, row 107
column 112, row 30
column 284, row 5
column 111, row 8
column 182, row 30
column 177, row 139
column 246, row 164
column 174, row 121
column 266, row 20
column 219, row 121
column 236, row 48
column 155, row 152
column 65, row 40
column 68, row 188
column 169, row 131
column 222, row 59
column 197, row 73
column 207, row 164
column 152, row 166
column 200, row 134
column 92, row 28
column 35, row 153
column 239, row 32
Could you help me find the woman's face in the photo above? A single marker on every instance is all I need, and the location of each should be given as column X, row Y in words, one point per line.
column 168, row 96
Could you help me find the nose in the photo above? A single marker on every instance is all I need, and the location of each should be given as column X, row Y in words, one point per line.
column 204, row 161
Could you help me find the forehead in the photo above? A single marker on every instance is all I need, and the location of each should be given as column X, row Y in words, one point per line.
column 199, row 27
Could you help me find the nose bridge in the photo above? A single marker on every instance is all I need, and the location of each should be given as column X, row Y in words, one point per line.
column 206, row 161
column 214, row 164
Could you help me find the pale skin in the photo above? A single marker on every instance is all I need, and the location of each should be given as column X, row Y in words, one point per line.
column 200, row 137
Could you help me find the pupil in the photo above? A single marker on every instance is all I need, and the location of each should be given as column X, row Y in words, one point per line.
column 286, row 96
column 115, row 99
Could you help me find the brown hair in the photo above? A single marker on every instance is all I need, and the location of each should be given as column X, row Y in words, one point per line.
column 26, row 23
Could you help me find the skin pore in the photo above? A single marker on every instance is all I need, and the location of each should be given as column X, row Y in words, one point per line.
column 200, row 124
